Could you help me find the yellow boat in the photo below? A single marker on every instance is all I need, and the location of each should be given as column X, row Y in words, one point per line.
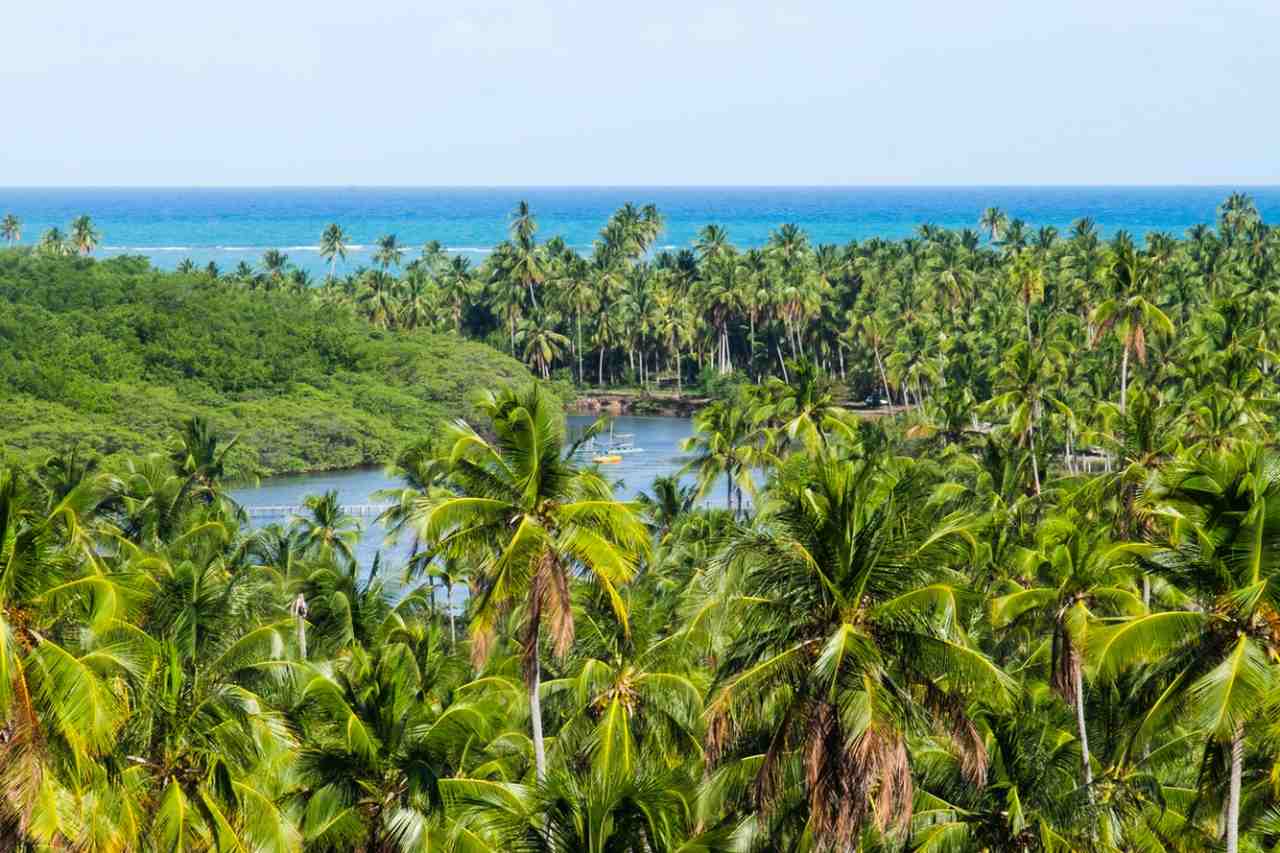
column 607, row 459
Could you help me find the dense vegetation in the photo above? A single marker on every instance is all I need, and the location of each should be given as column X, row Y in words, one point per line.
column 899, row 319
column 112, row 355
column 1037, row 611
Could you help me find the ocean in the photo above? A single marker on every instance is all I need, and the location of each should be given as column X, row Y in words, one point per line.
column 231, row 225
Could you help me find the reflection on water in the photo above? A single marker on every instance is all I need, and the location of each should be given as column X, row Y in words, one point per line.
column 658, row 437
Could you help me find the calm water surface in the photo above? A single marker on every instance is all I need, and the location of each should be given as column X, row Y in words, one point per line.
column 658, row 437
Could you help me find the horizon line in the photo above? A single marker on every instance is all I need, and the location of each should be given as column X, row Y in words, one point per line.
column 765, row 186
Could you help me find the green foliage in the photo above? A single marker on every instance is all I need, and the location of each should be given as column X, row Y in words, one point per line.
column 114, row 355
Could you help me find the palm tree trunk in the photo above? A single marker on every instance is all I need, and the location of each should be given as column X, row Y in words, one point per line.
column 1233, row 792
column 535, row 715
column 1082, row 732
column 679, row 375
column 448, row 602
column 778, row 347
column 578, row 320
column 884, row 378
column 1035, row 465
column 600, row 366
column 1124, row 376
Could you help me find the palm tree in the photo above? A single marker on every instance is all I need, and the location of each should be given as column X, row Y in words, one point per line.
column 457, row 288
column 274, row 265
column 10, row 229
column 994, row 221
column 1133, row 318
column 386, row 727
column 531, row 522
column 57, row 705
column 1211, row 662
column 1023, row 390
column 333, row 246
column 843, row 599
column 727, row 442
column 201, row 454
column 525, row 261
column 53, row 242
column 389, row 252
column 328, row 530
column 542, row 346
column 1080, row 578
column 84, row 237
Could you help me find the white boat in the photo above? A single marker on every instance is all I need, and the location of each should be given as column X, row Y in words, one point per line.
column 622, row 444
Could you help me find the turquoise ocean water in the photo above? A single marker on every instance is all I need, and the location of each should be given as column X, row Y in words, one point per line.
column 231, row 225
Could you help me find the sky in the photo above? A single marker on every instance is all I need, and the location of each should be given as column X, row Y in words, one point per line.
column 559, row 92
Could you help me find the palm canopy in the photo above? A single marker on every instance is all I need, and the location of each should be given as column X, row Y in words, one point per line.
column 531, row 522
column 869, row 647
column 1210, row 665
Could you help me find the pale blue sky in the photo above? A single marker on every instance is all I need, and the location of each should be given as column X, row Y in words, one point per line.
column 660, row 92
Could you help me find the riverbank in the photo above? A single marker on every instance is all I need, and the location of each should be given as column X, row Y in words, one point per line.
column 636, row 402
column 674, row 405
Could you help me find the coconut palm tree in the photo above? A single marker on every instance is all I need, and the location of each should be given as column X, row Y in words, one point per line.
column 728, row 442
column 388, row 253
column 84, row 237
column 386, row 727
column 10, row 229
column 327, row 530
column 333, row 247
column 274, row 266
column 530, row 521
column 53, row 242
column 1079, row 577
column 1211, row 662
column 1132, row 318
column 542, row 346
column 843, row 600
column 994, row 221
column 457, row 287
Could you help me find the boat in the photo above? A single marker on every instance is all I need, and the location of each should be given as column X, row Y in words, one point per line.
column 607, row 459
column 622, row 443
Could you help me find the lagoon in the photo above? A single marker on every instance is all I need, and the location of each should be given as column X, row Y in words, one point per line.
column 658, row 439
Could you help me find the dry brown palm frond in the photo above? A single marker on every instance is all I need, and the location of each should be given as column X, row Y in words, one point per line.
column 970, row 748
column 558, row 604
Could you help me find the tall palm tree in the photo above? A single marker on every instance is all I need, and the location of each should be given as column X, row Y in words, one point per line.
column 994, row 221
column 333, row 246
column 727, row 442
column 1024, row 390
column 542, row 346
column 389, row 252
column 531, row 522
column 1079, row 577
column 1212, row 662
column 525, row 260
column 84, row 237
column 386, row 727
column 10, row 229
column 844, row 600
column 1132, row 318
column 274, row 266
